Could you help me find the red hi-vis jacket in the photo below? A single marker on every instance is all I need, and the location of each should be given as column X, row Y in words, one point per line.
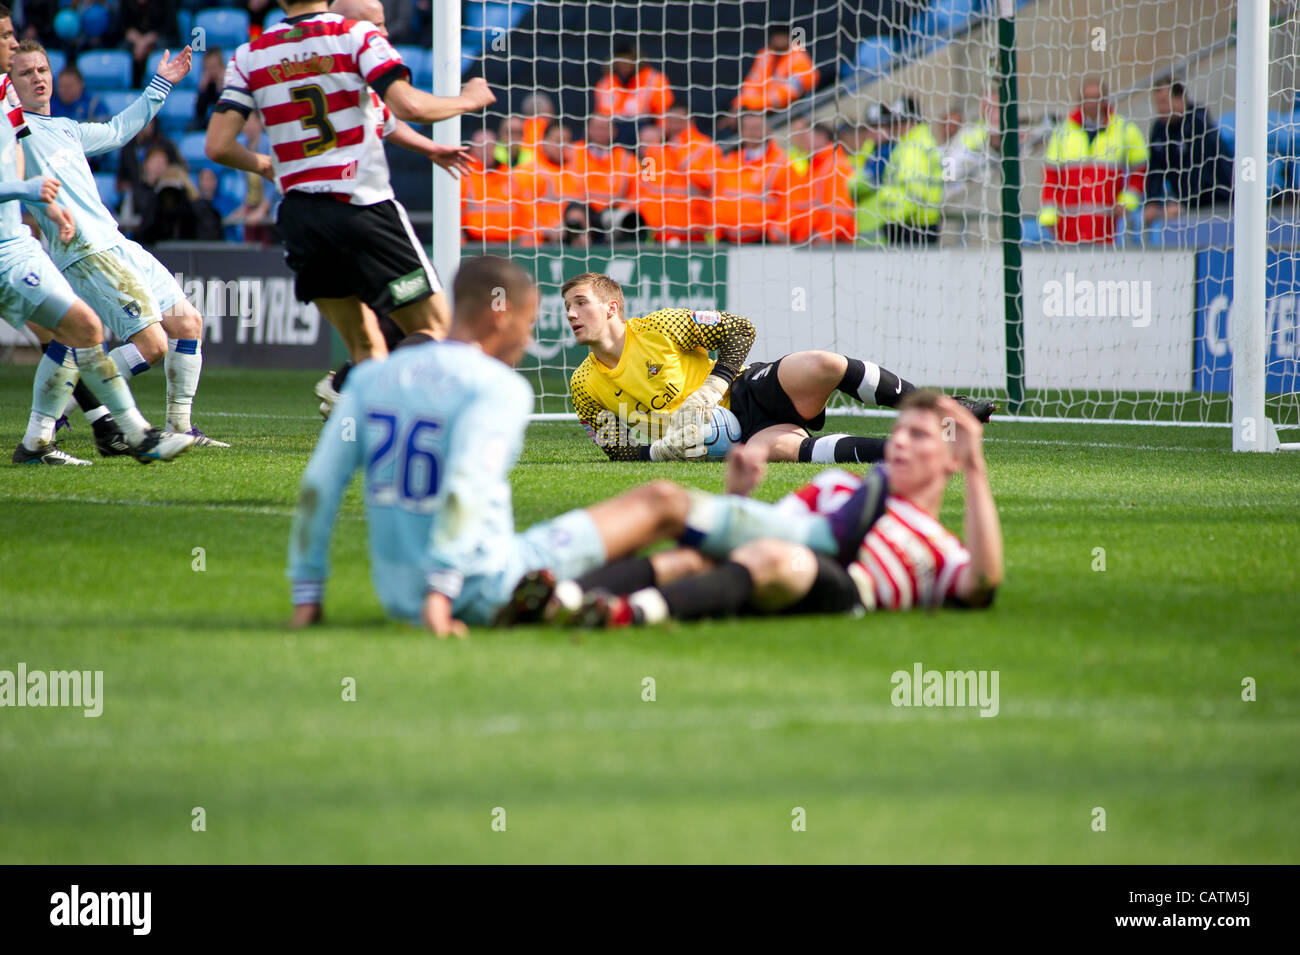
column 1088, row 182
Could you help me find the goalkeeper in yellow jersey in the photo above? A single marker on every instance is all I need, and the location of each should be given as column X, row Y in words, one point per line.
column 648, row 384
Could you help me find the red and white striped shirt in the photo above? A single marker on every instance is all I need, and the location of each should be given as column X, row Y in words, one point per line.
column 308, row 76
column 12, row 106
column 907, row 559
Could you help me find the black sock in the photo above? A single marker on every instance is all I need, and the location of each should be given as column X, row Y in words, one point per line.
column 889, row 391
column 620, row 576
column 415, row 338
column 341, row 375
column 719, row 593
column 842, row 448
column 391, row 331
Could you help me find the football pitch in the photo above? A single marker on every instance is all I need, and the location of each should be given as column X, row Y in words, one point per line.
column 1152, row 581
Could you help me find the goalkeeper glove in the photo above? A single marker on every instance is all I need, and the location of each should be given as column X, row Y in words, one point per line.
column 699, row 404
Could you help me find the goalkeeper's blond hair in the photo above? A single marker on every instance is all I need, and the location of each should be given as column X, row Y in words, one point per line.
column 602, row 286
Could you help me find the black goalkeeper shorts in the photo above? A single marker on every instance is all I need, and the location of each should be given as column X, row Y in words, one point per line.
column 758, row 401
column 337, row 250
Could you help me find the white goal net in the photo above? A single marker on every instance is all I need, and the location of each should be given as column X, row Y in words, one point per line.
column 837, row 173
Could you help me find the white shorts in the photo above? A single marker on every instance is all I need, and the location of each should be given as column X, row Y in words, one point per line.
column 568, row 545
column 31, row 288
column 126, row 286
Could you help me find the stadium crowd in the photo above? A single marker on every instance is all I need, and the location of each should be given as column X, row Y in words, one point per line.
column 639, row 166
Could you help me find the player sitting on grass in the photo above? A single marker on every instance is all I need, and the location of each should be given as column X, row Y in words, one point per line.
column 905, row 558
column 437, row 428
column 31, row 288
column 131, row 291
column 654, row 374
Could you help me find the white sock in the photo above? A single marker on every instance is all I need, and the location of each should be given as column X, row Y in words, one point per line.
column 101, row 376
column 651, row 603
column 95, row 413
column 56, row 376
column 183, row 364
column 823, row 449
column 129, row 361
column 870, row 381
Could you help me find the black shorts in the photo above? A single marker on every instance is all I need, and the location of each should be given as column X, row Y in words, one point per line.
column 758, row 401
column 337, row 250
column 833, row 591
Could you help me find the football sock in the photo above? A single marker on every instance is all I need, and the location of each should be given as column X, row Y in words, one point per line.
column 620, row 576
column 129, row 361
column 101, row 376
column 415, row 338
column 56, row 373
column 869, row 383
column 718, row 524
column 341, row 375
column 841, row 448
column 81, row 398
column 719, row 593
column 183, row 365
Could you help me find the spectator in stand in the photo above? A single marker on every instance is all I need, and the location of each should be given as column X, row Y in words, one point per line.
column 1095, row 170
column 538, row 112
column 970, row 147
column 554, row 180
column 1190, row 167
column 166, row 201
column 815, row 191
column 911, row 196
column 399, row 19
column 72, row 100
column 607, row 170
column 781, row 73
column 631, row 91
column 579, row 230
column 212, row 80
column 258, row 9
column 496, row 204
column 130, row 169
column 209, row 209
column 148, row 25
column 688, row 149
column 689, row 160
column 744, row 202
column 511, row 144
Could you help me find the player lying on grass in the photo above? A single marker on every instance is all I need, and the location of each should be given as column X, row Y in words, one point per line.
column 437, row 428
column 134, row 295
column 906, row 558
column 347, row 239
column 649, row 383
column 31, row 288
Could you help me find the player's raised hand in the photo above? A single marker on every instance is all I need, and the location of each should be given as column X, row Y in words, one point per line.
column 305, row 615
column 438, row 619
column 477, row 94
column 49, row 189
column 173, row 71
column 454, row 159
column 967, row 433
column 746, row 468
column 62, row 218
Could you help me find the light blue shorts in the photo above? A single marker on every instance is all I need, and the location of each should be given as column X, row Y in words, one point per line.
column 31, row 288
column 568, row 545
column 126, row 286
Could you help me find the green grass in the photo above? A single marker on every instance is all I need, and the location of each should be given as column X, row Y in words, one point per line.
column 1119, row 690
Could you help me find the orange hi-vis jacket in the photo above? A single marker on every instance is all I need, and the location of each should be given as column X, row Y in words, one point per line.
column 647, row 95
column 607, row 174
column 745, row 205
column 1086, row 182
column 673, row 186
column 496, row 204
column 776, row 80
column 553, row 188
column 818, row 204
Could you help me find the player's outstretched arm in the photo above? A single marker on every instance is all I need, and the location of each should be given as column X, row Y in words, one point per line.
column 329, row 472
column 983, row 530
column 99, row 138
column 454, row 159
column 417, row 106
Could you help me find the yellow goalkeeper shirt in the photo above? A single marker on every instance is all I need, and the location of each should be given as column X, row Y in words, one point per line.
column 665, row 358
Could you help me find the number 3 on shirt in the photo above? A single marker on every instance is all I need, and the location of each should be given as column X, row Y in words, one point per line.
column 317, row 119
column 407, row 477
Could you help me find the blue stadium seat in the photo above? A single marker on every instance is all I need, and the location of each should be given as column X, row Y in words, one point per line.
column 177, row 112
column 234, row 185
column 224, row 28
column 420, row 62
column 114, row 101
column 184, row 23
column 191, row 150
column 272, row 18
column 191, row 80
column 945, row 17
column 106, row 183
column 58, row 60
column 875, row 55
column 106, row 69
